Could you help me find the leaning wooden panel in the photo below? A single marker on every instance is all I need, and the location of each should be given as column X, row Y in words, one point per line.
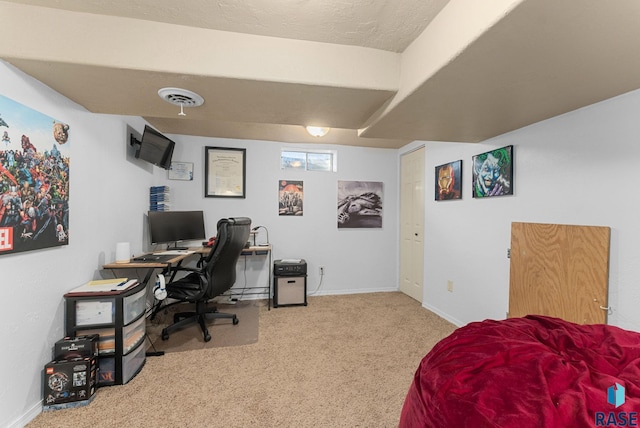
column 560, row 271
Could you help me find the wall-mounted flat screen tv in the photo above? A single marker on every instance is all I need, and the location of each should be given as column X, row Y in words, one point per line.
column 154, row 148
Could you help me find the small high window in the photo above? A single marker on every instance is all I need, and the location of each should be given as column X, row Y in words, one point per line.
column 309, row 161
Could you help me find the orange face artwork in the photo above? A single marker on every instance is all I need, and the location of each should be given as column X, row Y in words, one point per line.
column 445, row 179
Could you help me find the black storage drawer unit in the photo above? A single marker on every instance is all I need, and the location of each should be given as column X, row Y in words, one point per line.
column 119, row 320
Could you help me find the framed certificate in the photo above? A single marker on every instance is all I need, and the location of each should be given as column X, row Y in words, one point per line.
column 225, row 172
column 181, row 171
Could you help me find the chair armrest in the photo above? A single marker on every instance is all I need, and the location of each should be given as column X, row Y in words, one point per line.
column 183, row 272
column 186, row 269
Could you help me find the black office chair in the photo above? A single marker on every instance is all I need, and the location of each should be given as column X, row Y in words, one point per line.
column 216, row 276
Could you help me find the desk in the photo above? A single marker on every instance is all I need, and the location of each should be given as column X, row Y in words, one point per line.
column 168, row 266
column 151, row 266
column 257, row 250
column 253, row 250
column 260, row 250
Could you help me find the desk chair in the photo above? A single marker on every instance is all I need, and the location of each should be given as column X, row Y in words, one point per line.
column 216, row 276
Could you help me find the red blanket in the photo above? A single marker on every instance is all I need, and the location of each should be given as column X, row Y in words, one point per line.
column 527, row 372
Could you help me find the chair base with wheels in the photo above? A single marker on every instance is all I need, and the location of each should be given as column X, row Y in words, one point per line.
column 201, row 315
column 210, row 279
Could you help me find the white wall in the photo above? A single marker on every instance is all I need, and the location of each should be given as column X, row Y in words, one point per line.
column 351, row 257
column 108, row 202
column 102, row 203
column 579, row 168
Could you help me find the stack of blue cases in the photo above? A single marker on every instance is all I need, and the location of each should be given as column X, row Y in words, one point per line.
column 159, row 198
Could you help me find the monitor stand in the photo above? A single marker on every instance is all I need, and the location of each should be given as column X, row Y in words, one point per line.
column 175, row 247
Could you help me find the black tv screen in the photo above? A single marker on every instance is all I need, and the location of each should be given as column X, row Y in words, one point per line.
column 155, row 148
column 167, row 227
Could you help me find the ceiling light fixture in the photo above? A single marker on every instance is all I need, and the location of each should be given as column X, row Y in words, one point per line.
column 318, row 131
column 181, row 97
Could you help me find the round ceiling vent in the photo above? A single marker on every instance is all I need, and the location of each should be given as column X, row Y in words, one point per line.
column 181, row 97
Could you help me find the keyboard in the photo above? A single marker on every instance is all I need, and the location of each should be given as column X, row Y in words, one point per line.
column 154, row 258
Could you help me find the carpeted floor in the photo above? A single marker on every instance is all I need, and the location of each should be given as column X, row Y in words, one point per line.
column 341, row 361
column 223, row 332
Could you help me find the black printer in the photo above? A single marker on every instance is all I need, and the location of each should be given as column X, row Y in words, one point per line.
column 290, row 267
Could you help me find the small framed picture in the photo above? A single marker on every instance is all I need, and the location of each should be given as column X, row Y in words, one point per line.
column 181, row 171
column 449, row 181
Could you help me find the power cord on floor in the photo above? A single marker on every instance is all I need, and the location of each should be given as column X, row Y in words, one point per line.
column 319, row 285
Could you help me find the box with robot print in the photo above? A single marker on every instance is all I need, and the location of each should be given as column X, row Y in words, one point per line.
column 69, row 383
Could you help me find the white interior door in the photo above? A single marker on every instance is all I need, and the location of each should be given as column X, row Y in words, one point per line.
column 412, row 223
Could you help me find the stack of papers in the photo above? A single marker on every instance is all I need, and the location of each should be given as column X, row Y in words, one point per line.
column 105, row 286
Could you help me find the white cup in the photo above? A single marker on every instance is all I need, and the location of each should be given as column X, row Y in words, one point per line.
column 123, row 252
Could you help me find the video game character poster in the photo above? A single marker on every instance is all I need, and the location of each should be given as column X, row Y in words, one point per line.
column 359, row 204
column 34, row 179
column 291, row 196
column 493, row 173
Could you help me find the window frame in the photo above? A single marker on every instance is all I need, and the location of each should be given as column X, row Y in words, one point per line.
column 333, row 167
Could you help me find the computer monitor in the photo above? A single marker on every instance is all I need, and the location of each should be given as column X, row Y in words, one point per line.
column 172, row 227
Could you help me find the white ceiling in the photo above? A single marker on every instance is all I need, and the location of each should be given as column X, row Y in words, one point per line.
column 380, row 73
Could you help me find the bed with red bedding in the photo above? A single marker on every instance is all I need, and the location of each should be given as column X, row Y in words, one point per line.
column 527, row 372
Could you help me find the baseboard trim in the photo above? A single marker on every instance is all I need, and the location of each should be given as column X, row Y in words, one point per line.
column 27, row 417
column 325, row 293
column 352, row 291
column 441, row 314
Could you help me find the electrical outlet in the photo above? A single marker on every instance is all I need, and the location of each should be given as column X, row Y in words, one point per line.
column 450, row 286
column 321, row 269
